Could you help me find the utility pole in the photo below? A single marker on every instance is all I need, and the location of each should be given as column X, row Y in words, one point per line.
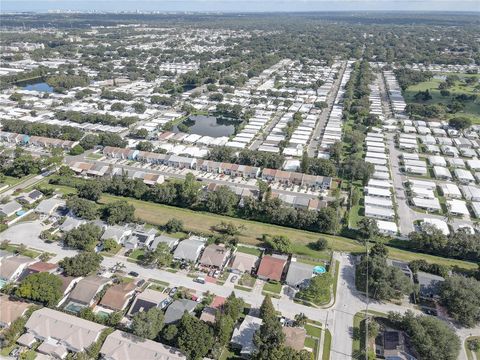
column 366, row 308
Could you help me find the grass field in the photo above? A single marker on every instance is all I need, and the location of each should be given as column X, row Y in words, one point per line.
column 158, row 214
column 249, row 250
column 273, row 287
column 472, row 108
column 327, row 344
column 313, row 330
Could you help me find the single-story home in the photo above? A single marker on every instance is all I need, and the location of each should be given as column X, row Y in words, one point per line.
column 244, row 263
column 149, row 299
column 299, row 274
column 11, row 310
column 242, row 337
column 176, row 310
column 118, row 296
column 120, row 345
column 189, row 249
column 271, row 267
column 60, row 332
column 215, row 256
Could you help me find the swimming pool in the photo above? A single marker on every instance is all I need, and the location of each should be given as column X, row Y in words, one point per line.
column 319, row 269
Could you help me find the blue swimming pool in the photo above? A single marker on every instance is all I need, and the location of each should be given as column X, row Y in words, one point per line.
column 319, row 269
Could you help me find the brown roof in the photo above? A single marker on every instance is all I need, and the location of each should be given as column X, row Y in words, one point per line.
column 11, row 310
column 218, row 302
column 66, row 281
column 42, row 267
column 116, row 296
column 214, row 255
column 271, row 268
column 294, row 337
column 208, row 314
column 87, row 288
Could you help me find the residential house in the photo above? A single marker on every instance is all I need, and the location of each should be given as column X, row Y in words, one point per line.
column 299, row 274
column 10, row 208
column 12, row 267
column 141, row 237
column 48, row 206
column 149, row 299
column 244, row 263
column 271, row 267
column 242, row 337
column 171, row 242
column 11, row 310
column 120, row 345
column 189, row 249
column 294, row 337
column 429, row 284
column 176, row 310
column 117, row 297
column 68, row 283
column 215, row 256
column 39, row 267
column 117, row 233
column 30, row 197
column 83, row 295
column 60, row 332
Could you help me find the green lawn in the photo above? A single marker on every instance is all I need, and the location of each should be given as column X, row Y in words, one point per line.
column 310, row 342
column 137, row 254
column 243, row 288
column 249, row 250
column 472, row 108
column 29, row 252
column 247, row 280
column 313, row 330
column 273, row 287
column 94, row 156
column 327, row 344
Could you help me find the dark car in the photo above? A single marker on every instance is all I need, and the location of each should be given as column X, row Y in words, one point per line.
column 133, row 273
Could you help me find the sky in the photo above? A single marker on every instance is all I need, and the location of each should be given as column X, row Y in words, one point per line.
column 239, row 5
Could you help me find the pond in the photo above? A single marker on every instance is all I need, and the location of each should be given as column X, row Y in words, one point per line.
column 39, row 86
column 209, row 126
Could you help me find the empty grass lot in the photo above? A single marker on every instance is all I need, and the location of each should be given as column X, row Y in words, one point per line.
column 273, row 287
column 158, row 214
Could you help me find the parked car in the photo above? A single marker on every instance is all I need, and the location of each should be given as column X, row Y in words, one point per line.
column 199, row 280
column 173, row 291
column 133, row 273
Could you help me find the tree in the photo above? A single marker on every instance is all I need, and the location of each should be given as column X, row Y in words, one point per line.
column 145, row 146
column 159, row 257
column 318, row 289
column 460, row 122
column 367, row 229
column 279, row 243
column 82, row 208
column 110, row 245
column 91, row 190
column 82, row 264
column 320, row 245
column 384, row 282
column 84, row 237
column 268, row 339
column 461, row 297
column 195, row 338
column 430, row 337
column 43, row 287
column 223, row 328
column 300, row 319
column 148, row 324
column 188, row 191
column 89, row 141
column 118, row 212
column 233, row 307
column 77, row 150
column 221, row 201
column 173, row 225
column 266, row 309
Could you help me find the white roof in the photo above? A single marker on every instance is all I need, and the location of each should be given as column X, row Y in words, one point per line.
column 387, row 226
column 439, row 224
column 426, row 203
column 456, row 206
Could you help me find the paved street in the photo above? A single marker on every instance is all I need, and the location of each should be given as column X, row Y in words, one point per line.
column 322, row 120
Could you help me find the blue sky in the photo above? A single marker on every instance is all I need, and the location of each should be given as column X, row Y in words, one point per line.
column 241, row 5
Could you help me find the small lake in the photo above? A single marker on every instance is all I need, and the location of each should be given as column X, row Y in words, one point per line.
column 39, row 86
column 209, row 126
